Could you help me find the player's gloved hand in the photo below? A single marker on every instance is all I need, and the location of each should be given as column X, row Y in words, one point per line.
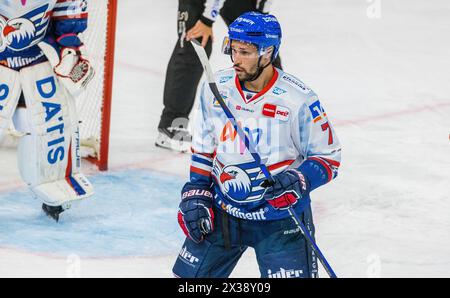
column 71, row 65
column 195, row 214
column 289, row 187
column 75, row 65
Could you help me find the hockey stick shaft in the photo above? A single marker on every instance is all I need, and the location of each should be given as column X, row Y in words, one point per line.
column 213, row 86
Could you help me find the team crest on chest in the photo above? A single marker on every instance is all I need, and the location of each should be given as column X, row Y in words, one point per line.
column 20, row 33
column 236, row 183
column 239, row 182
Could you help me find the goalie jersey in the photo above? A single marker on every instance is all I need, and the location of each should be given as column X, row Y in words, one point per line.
column 286, row 124
column 25, row 23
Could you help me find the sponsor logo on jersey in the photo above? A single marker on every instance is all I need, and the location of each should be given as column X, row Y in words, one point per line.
column 216, row 103
column 293, row 231
column 302, row 87
column 21, row 33
column 224, row 95
column 19, row 62
column 241, row 108
column 225, row 79
column 317, row 111
column 229, row 134
column 236, row 212
column 277, row 112
column 278, row 91
column 188, row 257
column 284, row 273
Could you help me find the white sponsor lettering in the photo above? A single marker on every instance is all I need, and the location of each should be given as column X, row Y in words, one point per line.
column 283, row 273
column 187, row 256
column 18, row 62
column 197, row 192
column 236, row 212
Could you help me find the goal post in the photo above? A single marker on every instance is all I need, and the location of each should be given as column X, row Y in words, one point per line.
column 94, row 106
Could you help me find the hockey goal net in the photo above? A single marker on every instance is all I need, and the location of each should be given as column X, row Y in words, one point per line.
column 94, row 105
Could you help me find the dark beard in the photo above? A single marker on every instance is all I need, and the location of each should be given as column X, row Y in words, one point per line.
column 246, row 76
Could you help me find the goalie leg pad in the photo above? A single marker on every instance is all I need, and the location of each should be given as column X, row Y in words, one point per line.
column 9, row 96
column 20, row 120
column 49, row 158
column 64, row 192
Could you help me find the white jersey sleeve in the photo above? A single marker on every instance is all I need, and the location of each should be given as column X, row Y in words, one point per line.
column 315, row 138
column 203, row 140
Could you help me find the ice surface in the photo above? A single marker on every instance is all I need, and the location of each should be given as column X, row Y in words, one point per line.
column 131, row 215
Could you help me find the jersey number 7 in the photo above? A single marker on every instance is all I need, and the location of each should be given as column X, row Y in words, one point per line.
column 326, row 126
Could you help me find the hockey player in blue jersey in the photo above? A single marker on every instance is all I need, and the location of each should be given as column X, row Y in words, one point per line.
column 43, row 67
column 226, row 207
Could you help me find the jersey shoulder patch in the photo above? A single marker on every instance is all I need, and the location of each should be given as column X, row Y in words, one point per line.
column 295, row 82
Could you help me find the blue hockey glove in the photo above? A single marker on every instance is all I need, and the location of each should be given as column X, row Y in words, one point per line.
column 195, row 214
column 289, row 187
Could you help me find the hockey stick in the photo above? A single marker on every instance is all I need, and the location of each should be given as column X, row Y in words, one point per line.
column 212, row 85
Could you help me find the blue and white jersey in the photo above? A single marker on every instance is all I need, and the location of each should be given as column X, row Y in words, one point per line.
column 286, row 124
column 25, row 23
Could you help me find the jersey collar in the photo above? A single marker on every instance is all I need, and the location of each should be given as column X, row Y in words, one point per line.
column 260, row 93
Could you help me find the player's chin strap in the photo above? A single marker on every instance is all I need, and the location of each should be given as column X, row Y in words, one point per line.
column 259, row 71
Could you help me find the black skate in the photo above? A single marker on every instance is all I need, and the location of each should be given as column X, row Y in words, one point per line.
column 174, row 138
column 52, row 211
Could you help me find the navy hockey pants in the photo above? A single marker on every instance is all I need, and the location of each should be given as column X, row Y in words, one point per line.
column 281, row 249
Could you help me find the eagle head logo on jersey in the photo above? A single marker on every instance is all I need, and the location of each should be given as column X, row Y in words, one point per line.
column 21, row 33
column 235, row 183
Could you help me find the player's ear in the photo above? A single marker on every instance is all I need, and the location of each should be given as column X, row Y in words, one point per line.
column 268, row 53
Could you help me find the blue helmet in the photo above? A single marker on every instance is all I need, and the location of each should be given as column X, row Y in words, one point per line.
column 262, row 30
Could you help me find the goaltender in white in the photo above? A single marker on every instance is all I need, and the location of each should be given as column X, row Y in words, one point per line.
column 53, row 71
